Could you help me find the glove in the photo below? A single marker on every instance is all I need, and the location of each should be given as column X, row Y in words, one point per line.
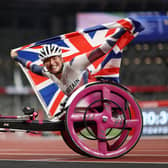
column 13, row 54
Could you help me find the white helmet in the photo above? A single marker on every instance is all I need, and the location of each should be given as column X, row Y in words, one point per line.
column 49, row 50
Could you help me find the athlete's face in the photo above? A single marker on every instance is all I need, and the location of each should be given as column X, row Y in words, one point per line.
column 54, row 64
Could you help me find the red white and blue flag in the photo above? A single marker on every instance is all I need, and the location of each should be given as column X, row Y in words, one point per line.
column 73, row 45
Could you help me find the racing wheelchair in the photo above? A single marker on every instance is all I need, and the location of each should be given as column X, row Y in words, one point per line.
column 101, row 120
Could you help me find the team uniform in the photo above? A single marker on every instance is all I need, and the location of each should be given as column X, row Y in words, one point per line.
column 74, row 74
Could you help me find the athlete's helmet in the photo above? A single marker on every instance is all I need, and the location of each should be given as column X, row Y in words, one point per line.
column 49, row 50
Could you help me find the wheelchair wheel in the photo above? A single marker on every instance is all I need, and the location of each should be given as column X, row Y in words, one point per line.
column 110, row 121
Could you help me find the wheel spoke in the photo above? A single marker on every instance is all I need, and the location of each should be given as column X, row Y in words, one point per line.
column 80, row 117
column 106, row 96
column 132, row 123
column 120, row 123
column 102, row 145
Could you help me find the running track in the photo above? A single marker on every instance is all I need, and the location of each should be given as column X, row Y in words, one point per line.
column 36, row 151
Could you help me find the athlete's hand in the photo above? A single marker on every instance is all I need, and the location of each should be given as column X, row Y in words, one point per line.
column 13, row 54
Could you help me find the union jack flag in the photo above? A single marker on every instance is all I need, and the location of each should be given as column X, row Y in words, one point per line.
column 74, row 44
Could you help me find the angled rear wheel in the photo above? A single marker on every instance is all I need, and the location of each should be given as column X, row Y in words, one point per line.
column 109, row 119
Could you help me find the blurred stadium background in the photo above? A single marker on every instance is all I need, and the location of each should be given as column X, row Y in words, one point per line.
column 145, row 62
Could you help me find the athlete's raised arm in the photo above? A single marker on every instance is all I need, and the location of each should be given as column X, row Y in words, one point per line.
column 106, row 46
column 85, row 60
column 27, row 64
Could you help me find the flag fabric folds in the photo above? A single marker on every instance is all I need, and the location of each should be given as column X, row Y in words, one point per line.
column 73, row 45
